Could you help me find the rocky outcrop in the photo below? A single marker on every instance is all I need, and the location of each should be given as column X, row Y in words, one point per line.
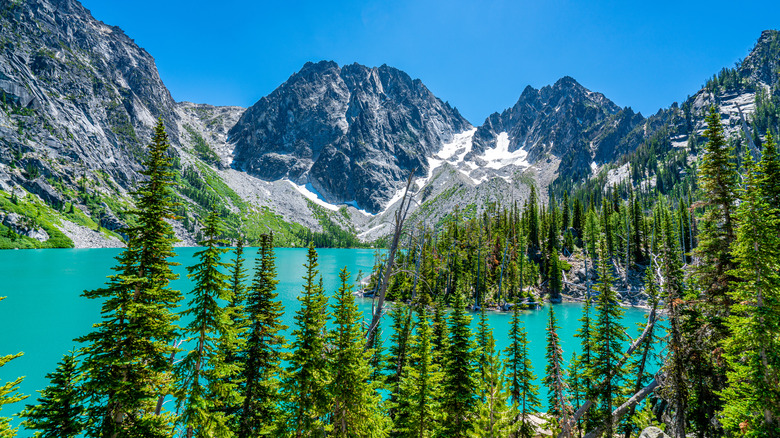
column 566, row 120
column 653, row 432
column 24, row 226
column 353, row 133
column 76, row 95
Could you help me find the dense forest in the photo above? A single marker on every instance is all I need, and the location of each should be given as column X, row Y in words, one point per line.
column 705, row 249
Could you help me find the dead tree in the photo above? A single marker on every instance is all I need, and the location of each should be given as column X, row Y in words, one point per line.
column 400, row 218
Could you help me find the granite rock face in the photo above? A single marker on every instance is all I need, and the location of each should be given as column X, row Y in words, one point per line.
column 566, row 120
column 78, row 96
column 353, row 133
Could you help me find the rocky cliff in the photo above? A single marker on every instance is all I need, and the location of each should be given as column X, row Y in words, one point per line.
column 353, row 133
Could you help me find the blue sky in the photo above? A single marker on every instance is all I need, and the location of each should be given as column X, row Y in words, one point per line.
column 477, row 55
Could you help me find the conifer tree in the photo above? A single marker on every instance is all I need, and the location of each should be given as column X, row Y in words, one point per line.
column 440, row 335
column 305, row 396
column 484, row 336
column 718, row 182
column 584, row 362
column 608, row 336
column 60, row 411
column 204, row 377
column 399, row 350
column 232, row 342
column 263, row 348
column 9, row 393
column 355, row 402
column 459, row 389
column 493, row 414
column 418, row 410
column 127, row 355
column 532, row 211
column 752, row 398
column 523, row 393
column 555, row 375
column 554, row 275
column 769, row 169
column 377, row 362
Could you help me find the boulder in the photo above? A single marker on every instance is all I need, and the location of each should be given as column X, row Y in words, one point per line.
column 653, row 432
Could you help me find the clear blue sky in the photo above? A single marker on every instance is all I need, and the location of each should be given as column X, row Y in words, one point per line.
column 477, row 55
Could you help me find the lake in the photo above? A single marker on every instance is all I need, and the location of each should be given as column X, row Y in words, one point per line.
column 44, row 312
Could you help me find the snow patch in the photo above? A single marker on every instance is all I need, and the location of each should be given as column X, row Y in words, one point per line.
column 500, row 156
column 367, row 232
column 312, row 195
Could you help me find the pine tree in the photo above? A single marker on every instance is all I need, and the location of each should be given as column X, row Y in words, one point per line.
column 524, row 394
column 60, row 412
column 232, row 342
column 397, row 360
column 263, row 348
column 484, row 337
column 204, row 377
column 305, row 396
column 418, row 410
column 555, row 375
column 718, row 182
column 493, row 414
column 377, row 362
column 608, row 336
column 459, row 397
column 355, row 402
column 440, row 335
column 769, row 168
column 752, row 399
column 554, row 275
column 584, row 361
column 9, row 393
column 127, row 357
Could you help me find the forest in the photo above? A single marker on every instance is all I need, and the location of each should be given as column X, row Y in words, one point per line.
column 704, row 248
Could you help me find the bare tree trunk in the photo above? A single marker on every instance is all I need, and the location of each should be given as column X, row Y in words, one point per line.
column 400, row 217
column 622, row 409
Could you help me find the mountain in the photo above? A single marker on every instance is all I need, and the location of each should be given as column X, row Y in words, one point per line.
column 352, row 133
column 327, row 151
column 564, row 120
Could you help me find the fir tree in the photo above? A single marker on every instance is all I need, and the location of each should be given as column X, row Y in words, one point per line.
column 459, row 397
column 493, row 414
column 305, row 395
column 608, row 336
column 524, row 394
column 418, row 410
column 398, row 352
column 127, row 357
column 484, row 337
column 554, row 275
column 440, row 335
column 263, row 348
column 60, row 411
column 355, row 403
column 584, row 362
column 204, row 376
column 752, row 399
column 769, row 169
column 555, row 375
column 9, row 393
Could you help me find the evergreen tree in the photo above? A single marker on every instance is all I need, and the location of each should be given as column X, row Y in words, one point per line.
column 204, row 377
column 355, row 403
column 398, row 351
column 555, row 375
column 524, row 394
column 60, row 411
column 584, row 362
column 127, row 357
column 493, row 414
column 769, row 169
column 263, row 348
column 9, row 393
column 305, row 397
column 377, row 362
column 752, row 399
column 554, row 275
column 532, row 211
column 232, row 342
column 484, row 337
column 459, row 386
column 608, row 336
column 718, row 182
column 440, row 335
column 418, row 410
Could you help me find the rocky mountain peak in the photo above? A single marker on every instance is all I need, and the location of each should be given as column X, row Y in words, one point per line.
column 763, row 62
column 350, row 133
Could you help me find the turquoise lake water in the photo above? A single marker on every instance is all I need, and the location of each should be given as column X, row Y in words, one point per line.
column 44, row 312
